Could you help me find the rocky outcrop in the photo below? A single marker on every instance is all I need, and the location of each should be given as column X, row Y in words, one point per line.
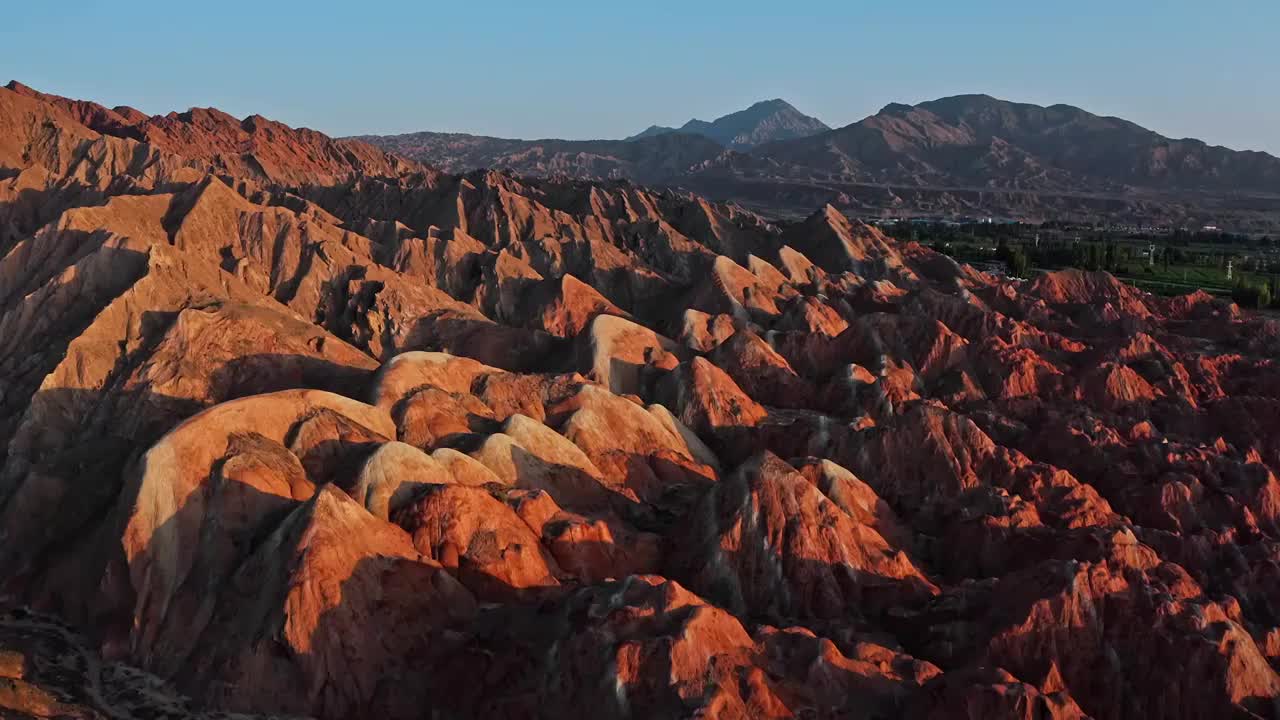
column 481, row 540
column 769, row 543
column 303, row 604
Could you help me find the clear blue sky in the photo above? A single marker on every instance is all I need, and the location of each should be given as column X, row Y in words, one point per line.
column 606, row 69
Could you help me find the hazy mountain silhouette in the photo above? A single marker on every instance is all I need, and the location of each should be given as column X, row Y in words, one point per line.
column 966, row 154
column 978, row 140
column 765, row 121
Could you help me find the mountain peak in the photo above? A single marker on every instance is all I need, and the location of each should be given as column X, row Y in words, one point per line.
column 971, row 97
column 774, row 104
column 896, row 108
column 763, row 121
column 651, row 131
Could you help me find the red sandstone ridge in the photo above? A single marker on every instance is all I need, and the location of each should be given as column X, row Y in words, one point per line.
column 294, row 427
column 254, row 148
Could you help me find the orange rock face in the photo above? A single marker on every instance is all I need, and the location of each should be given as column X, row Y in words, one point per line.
column 766, row 542
column 491, row 550
column 302, row 428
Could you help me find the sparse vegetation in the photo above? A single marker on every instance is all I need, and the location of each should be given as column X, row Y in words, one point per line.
column 1170, row 262
column 1252, row 294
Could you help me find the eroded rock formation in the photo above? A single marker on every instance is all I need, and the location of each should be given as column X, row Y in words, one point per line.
column 300, row 427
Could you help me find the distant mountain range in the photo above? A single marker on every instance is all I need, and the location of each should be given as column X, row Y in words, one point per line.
column 966, row 154
column 656, row 158
column 979, row 141
column 656, row 154
column 765, row 121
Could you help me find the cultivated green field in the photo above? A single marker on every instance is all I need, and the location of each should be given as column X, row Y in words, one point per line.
column 1169, row 262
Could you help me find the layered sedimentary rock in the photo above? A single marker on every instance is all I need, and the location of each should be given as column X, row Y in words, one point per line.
column 302, row 428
